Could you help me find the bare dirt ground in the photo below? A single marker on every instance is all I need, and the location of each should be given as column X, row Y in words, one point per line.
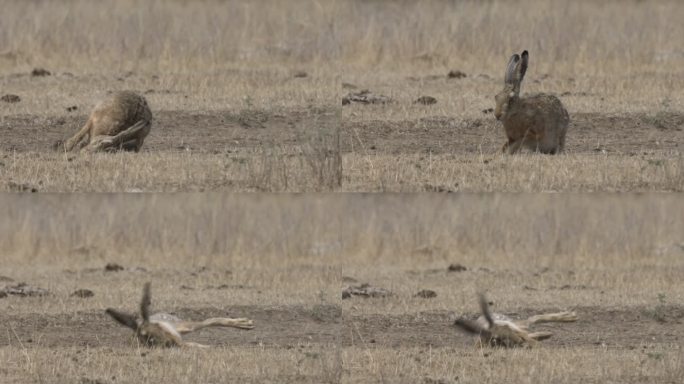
column 247, row 97
column 218, row 131
column 283, row 260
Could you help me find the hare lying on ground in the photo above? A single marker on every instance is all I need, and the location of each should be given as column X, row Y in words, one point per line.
column 122, row 121
column 539, row 122
column 494, row 329
column 164, row 330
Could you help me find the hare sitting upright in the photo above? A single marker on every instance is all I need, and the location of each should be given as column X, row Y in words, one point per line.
column 539, row 122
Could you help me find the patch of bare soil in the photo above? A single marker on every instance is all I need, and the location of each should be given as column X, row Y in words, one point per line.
column 614, row 328
column 588, row 133
column 221, row 131
column 211, row 132
column 279, row 327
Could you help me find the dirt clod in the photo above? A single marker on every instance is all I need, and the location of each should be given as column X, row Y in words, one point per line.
column 456, row 74
column 40, row 72
column 83, row 293
column 25, row 290
column 426, row 294
column 425, row 100
column 365, row 290
column 365, row 97
column 456, row 268
column 113, row 267
column 10, row 98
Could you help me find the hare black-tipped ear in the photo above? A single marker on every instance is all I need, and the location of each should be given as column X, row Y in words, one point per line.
column 523, row 66
column 510, row 68
column 469, row 326
column 484, row 307
column 123, row 318
column 145, row 303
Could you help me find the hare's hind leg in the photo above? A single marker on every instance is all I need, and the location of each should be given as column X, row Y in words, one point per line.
column 79, row 136
column 560, row 317
column 540, row 335
column 138, row 142
column 123, row 139
column 512, row 146
column 191, row 326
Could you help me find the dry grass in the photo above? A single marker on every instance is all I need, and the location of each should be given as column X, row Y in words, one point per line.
column 591, row 252
column 615, row 258
column 453, row 366
column 275, row 169
column 233, row 365
column 240, row 57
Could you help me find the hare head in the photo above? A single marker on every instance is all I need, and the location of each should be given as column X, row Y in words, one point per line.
column 515, row 71
column 148, row 333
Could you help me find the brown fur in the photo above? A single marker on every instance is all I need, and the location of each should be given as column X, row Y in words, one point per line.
column 164, row 330
column 538, row 122
column 120, row 122
column 494, row 329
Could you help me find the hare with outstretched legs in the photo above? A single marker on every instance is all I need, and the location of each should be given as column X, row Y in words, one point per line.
column 494, row 329
column 164, row 330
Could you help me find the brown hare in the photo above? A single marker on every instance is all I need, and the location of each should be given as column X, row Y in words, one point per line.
column 539, row 122
column 121, row 121
column 495, row 329
column 164, row 330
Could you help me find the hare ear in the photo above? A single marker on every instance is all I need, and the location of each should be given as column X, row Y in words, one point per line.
column 469, row 326
column 510, row 68
column 484, row 307
column 123, row 318
column 145, row 303
column 522, row 68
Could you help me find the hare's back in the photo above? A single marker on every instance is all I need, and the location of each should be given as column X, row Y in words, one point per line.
column 548, row 105
column 118, row 112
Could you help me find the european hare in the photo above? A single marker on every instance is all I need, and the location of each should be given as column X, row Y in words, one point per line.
column 121, row 121
column 539, row 122
column 495, row 329
column 164, row 330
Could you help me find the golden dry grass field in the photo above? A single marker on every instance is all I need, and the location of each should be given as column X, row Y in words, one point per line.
column 246, row 97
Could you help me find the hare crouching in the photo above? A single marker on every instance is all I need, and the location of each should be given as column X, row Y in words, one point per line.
column 122, row 121
column 538, row 122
